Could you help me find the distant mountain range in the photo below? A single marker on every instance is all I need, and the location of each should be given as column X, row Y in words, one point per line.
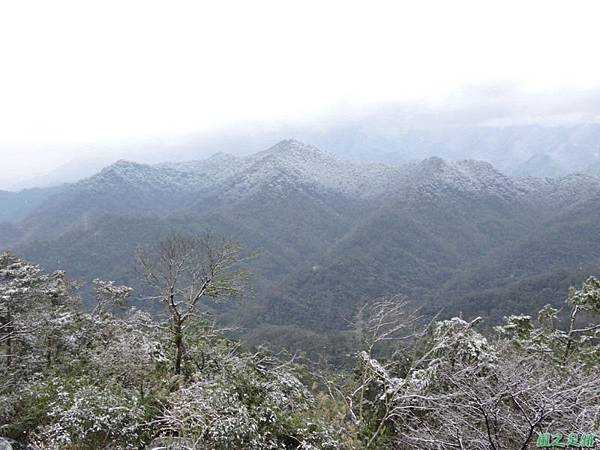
column 325, row 235
column 527, row 150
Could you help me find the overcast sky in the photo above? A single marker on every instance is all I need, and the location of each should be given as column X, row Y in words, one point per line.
column 78, row 73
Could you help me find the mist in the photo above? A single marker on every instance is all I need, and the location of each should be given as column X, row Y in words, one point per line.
column 379, row 132
column 84, row 86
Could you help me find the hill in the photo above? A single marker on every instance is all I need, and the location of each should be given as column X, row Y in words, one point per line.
column 324, row 235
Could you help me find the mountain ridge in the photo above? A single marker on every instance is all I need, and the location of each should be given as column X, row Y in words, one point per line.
column 328, row 234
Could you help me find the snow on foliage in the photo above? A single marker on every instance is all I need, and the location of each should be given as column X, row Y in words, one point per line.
column 87, row 414
column 246, row 405
column 453, row 388
column 99, row 380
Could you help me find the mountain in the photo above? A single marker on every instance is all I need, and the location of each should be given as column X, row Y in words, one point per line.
column 540, row 165
column 525, row 150
column 323, row 235
column 258, row 200
column 124, row 189
column 132, row 189
column 420, row 235
column 69, row 172
column 15, row 206
column 564, row 246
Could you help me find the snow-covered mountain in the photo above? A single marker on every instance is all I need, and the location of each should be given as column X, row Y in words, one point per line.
column 436, row 176
column 291, row 161
column 288, row 161
column 561, row 192
column 516, row 151
column 131, row 188
column 329, row 233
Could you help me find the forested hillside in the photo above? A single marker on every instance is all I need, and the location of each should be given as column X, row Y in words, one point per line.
column 117, row 378
column 321, row 236
column 315, row 225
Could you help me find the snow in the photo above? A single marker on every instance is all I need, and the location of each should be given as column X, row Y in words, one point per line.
column 291, row 163
column 560, row 192
column 435, row 176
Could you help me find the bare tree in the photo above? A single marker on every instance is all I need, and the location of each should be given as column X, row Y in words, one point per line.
column 384, row 327
column 183, row 270
column 505, row 407
column 454, row 389
column 385, row 321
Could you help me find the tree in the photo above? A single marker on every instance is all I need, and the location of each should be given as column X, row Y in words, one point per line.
column 574, row 344
column 183, row 270
column 35, row 310
column 380, row 327
column 109, row 296
column 448, row 387
column 249, row 402
column 126, row 347
column 38, row 318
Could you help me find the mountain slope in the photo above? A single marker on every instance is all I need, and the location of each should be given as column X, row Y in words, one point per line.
column 423, row 233
column 325, row 235
column 132, row 189
column 566, row 246
column 15, row 206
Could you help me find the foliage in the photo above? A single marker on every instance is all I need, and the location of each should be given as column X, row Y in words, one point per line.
column 106, row 379
column 249, row 403
column 109, row 381
column 574, row 344
column 450, row 387
column 86, row 416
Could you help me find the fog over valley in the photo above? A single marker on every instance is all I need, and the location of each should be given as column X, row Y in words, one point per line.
column 276, row 225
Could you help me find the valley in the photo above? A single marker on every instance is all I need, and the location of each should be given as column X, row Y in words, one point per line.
column 322, row 235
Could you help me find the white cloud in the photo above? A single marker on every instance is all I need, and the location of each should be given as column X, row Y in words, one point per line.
column 79, row 71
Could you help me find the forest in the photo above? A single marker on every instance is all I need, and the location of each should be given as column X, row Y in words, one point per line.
column 316, row 225
column 113, row 376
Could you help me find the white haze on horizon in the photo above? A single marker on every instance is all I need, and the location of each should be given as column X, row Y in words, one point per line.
column 97, row 79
